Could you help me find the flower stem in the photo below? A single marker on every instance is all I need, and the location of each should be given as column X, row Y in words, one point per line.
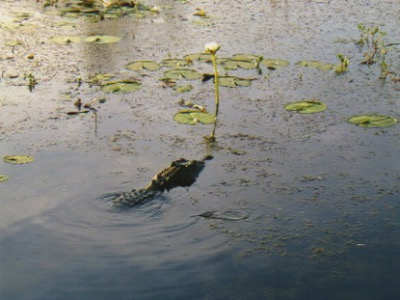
column 214, row 62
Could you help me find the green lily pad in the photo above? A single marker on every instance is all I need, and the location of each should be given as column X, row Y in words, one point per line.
column 99, row 78
column 306, row 107
column 372, row 121
column 316, row 64
column 122, row 86
column 18, row 159
column 233, row 64
column 184, row 88
column 182, row 73
column 174, row 63
column 3, row 178
column 143, row 64
column 204, row 57
column 273, row 64
column 102, row 39
column 233, row 81
column 193, row 117
column 253, row 57
column 65, row 40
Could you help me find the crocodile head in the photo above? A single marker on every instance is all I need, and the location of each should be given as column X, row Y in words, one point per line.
column 181, row 172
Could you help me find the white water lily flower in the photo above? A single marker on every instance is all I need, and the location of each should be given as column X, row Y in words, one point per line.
column 212, row 48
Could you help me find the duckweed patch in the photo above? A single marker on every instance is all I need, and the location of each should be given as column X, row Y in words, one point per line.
column 3, row 178
column 372, row 121
column 306, row 107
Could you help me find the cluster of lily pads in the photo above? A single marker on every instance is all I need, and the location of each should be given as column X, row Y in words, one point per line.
column 177, row 69
column 96, row 10
column 15, row 160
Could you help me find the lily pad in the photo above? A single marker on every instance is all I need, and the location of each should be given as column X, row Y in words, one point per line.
column 176, row 74
column 184, row 88
column 273, row 64
column 122, row 86
column 316, row 64
column 306, row 107
column 65, row 40
column 18, row 159
column 143, row 64
column 204, row 57
column 3, row 178
column 174, row 63
column 193, row 117
column 233, row 64
column 102, row 39
column 372, row 121
column 233, row 81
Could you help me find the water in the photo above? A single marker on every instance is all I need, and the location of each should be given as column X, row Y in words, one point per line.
column 320, row 195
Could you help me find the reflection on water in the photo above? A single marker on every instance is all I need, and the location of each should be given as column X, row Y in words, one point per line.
column 320, row 195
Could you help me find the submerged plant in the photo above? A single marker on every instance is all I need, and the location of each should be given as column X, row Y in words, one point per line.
column 212, row 49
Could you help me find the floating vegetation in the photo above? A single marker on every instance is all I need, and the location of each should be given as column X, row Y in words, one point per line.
column 344, row 64
column 102, row 9
column 143, row 64
column 193, row 117
column 306, row 107
column 3, row 178
column 66, row 40
column 18, row 159
column 121, row 86
column 372, row 121
column 32, row 81
column 102, row 39
column 233, row 81
column 175, row 63
column 204, row 57
column 183, row 88
column 373, row 38
column 177, row 74
column 233, row 64
column 99, row 78
column 274, row 64
column 316, row 64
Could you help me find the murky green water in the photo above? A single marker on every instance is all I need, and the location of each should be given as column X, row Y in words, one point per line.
column 321, row 196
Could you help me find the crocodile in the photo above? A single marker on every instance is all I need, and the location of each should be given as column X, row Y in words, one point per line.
column 181, row 172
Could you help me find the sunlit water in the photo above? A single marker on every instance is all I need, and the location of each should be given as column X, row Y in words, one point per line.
column 320, row 196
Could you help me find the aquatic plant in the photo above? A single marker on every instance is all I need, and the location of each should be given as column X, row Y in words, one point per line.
column 344, row 64
column 372, row 121
column 212, row 49
column 18, row 159
column 306, row 106
column 3, row 178
column 372, row 37
column 32, row 81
